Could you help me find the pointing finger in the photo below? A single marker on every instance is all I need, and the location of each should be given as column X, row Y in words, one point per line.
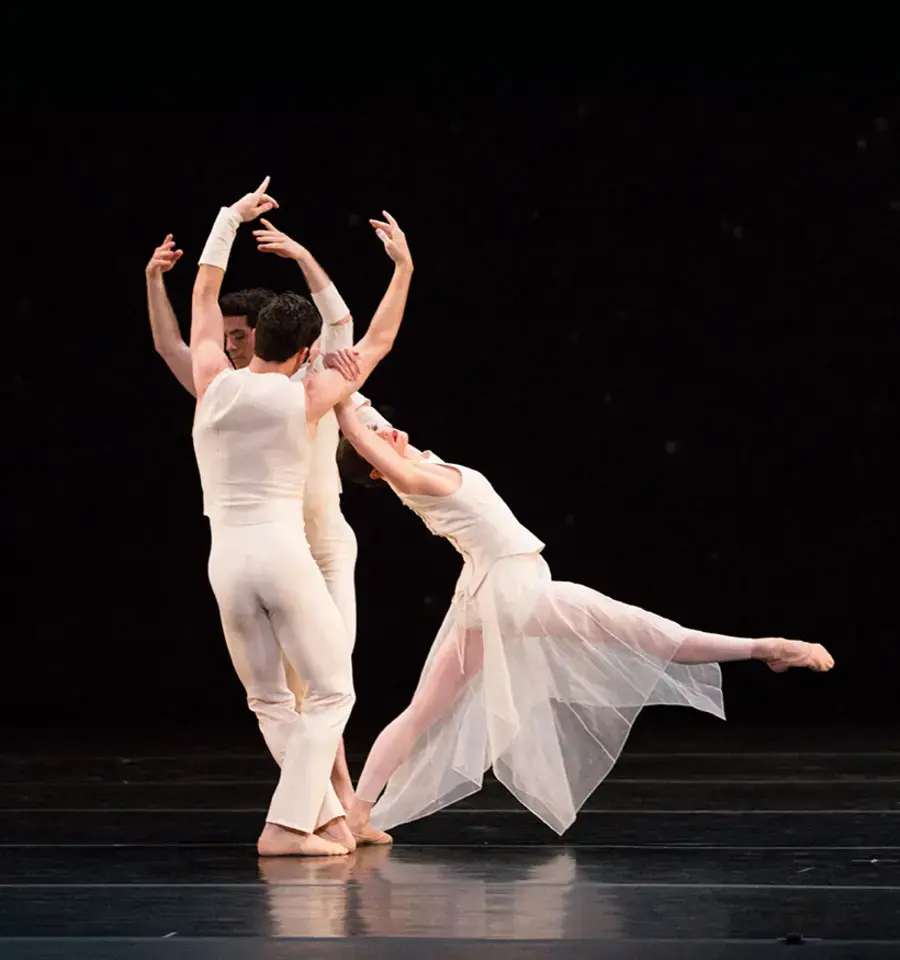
column 261, row 189
column 390, row 219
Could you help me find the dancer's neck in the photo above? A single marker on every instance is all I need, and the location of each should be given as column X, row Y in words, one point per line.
column 287, row 368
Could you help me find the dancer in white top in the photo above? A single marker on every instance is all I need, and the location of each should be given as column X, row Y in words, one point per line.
column 330, row 537
column 252, row 436
column 538, row 678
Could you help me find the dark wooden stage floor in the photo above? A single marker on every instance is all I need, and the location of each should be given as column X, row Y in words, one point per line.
column 712, row 844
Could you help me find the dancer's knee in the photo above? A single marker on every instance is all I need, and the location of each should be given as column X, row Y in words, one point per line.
column 270, row 705
column 336, row 700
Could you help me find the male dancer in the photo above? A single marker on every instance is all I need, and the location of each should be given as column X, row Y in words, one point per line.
column 253, row 451
column 330, row 537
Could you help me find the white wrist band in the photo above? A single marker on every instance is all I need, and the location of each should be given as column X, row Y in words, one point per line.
column 371, row 418
column 221, row 237
column 330, row 305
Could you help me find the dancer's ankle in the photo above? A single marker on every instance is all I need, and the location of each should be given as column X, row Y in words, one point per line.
column 765, row 648
column 360, row 809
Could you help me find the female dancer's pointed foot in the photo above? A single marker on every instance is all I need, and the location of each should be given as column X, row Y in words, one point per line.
column 277, row 841
column 363, row 831
column 781, row 655
column 338, row 832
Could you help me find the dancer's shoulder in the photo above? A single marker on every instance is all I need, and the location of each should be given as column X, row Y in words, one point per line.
column 434, row 479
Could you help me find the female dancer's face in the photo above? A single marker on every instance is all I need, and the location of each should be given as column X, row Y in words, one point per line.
column 396, row 438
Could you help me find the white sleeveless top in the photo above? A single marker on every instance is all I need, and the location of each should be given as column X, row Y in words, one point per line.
column 476, row 521
column 252, row 446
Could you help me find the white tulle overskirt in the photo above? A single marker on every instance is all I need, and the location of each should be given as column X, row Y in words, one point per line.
column 540, row 680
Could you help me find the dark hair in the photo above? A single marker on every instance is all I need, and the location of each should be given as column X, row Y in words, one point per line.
column 245, row 303
column 354, row 469
column 285, row 325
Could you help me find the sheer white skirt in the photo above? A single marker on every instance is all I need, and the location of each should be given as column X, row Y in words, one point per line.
column 539, row 679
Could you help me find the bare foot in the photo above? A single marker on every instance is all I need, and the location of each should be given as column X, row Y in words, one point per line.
column 276, row 841
column 369, row 836
column 781, row 655
column 338, row 832
column 363, row 831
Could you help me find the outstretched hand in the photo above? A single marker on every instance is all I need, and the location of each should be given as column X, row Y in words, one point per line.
column 253, row 205
column 393, row 238
column 165, row 256
column 272, row 240
column 345, row 361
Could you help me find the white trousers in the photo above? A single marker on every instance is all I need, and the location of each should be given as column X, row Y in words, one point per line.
column 274, row 605
column 332, row 543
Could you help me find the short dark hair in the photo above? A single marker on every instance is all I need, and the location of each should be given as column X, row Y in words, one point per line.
column 353, row 468
column 245, row 303
column 286, row 324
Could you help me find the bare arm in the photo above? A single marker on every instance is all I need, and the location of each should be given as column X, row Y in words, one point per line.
column 406, row 476
column 167, row 337
column 329, row 387
column 337, row 322
column 345, row 362
column 208, row 358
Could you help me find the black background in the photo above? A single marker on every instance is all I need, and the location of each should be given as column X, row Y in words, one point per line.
column 659, row 312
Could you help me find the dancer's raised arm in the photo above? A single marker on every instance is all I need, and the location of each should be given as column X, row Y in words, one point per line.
column 333, row 349
column 329, row 387
column 167, row 337
column 208, row 357
column 337, row 322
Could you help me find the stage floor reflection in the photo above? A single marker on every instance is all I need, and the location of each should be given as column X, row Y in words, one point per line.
column 689, row 852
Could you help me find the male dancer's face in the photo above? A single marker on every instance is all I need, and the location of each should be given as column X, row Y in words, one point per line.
column 238, row 341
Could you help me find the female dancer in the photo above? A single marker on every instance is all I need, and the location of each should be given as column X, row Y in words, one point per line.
column 538, row 678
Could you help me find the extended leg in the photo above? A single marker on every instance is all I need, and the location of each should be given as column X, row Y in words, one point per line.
column 575, row 611
column 445, row 681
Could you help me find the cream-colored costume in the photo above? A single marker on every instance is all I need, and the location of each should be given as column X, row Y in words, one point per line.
column 331, row 539
column 254, row 452
column 539, row 679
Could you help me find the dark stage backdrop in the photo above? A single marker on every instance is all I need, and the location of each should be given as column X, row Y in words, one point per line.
column 662, row 319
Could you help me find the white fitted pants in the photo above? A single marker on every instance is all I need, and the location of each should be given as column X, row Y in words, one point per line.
column 332, row 543
column 274, row 605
